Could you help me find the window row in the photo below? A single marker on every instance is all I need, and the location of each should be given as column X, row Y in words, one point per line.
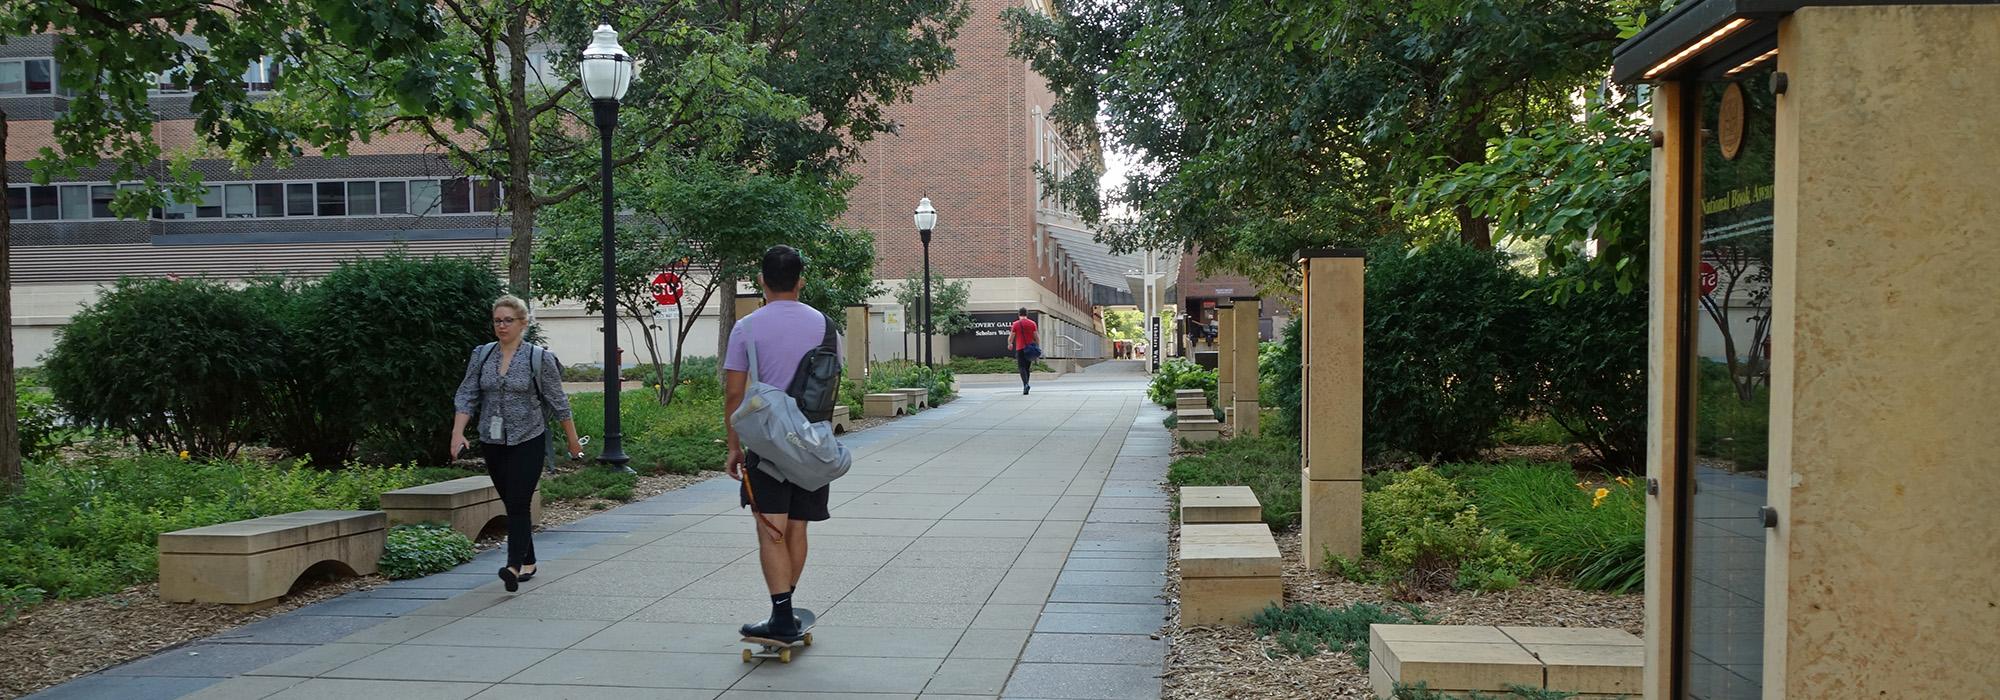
column 38, row 76
column 269, row 200
column 27, row 76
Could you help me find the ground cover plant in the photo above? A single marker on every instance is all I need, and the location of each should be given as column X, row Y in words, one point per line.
column 993, row 365
column 422, row 549
column 1592, row 535
column 1269, row 465
column 1306, row 629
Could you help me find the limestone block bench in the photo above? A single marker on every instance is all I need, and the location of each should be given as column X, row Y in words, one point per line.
column 1197, row 425
column 1190, row 400
column 468, row 505
column 1220, row 504
column 842, row 420
column 1229, row 571
column 1595, row 663
column 253, row 563
column 882, row 405
column 916, row 397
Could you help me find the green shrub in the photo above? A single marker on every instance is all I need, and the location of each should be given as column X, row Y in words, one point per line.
column 994, row 365
column 37, row 420
column 91, row 526
column 1529, row 432
column 683, row 438
column 1307, row 629
column 310, row 415
column 1269, row 465
column 589, row 482
column 1281, row 379
column 1446, row 358
column 1176, row 374
column 1589, row 350
column 885, row 376
column 30, row 376
column 420, row 319
column 423, row 549
column 1599, row 544
column 15, row 600
column 177, row 365
column 1422, row 525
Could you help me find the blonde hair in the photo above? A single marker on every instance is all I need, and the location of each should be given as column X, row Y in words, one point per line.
column 512, row 302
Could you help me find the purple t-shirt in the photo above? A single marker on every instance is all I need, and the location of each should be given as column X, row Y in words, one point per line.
column 783, row 331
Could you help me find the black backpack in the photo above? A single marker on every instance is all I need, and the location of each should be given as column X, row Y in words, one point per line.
column 816, row 386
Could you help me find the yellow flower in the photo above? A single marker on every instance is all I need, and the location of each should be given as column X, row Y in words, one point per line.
column 184, row 455
column 1597, row 498
column 1623, row 481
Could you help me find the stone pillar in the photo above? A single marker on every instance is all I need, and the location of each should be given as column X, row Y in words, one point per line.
column 1330, row 427
column 1243, row 346
column 857, row 342
column 746, row 303
column 1225, row 369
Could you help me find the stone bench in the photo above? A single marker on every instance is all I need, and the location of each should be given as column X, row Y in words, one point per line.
column 843, row 420
column 917, row 397
column 1197, row 425
column 468, row 505
column 883, row 405
column 1190, row 400
column 1595, row 663
column 1220, row 504
column 253, row 563
column 1229, row 572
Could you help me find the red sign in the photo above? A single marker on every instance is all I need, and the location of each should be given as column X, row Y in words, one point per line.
column 1708, row 278
column 666, row 288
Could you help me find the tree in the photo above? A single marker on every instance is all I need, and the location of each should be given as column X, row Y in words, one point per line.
column 792, row 83
column 1124, row 324
column 1262, row 128
column 708, row 223
column 948, row 301
column 112, row 54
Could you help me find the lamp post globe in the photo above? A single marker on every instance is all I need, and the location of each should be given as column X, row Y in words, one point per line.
column 926, row 220
column 607, row 73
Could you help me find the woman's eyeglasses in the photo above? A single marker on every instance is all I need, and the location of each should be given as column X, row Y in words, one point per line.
column 504, row 320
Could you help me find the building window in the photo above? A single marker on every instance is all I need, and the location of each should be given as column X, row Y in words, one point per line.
column 44, row 204
column 270, row 200
column 100, row 201
column 457, row 195
column 210, row 206
column 299, row 199
column 423, row 197
column 485, row 195
column 262, row 75
column 333, row 199
column 17, row 203
column 27, row 76
column 240, row 201
column 393, row 198
column 361, row 198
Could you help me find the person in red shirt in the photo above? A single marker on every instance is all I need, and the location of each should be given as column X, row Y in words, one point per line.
column 1025, row 348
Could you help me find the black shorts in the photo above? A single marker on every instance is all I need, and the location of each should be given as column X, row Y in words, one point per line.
column 779, row 497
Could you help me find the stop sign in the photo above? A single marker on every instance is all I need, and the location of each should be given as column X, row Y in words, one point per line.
column 666, row 288
column 1708, row 278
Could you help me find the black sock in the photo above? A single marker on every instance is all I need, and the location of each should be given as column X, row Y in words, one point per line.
column 781, row 611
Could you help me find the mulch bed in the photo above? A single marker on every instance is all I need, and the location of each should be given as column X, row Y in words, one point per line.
column 1234, row 662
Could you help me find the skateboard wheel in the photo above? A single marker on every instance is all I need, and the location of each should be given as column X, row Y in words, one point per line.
column 785, row 655
column 746, row 656
column 809, row 639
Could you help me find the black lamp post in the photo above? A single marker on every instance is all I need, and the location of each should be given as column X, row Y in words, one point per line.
column 926, row 219
column 607, row 73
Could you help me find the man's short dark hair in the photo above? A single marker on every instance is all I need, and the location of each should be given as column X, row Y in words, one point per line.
column 782, row 267
column 1024, row 311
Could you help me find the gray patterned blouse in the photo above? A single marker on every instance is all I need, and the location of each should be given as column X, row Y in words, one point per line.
column 511, row 397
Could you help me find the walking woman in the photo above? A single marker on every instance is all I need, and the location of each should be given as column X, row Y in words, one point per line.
column 514, row 388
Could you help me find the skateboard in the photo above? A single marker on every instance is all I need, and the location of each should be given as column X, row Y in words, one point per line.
column 779, row 649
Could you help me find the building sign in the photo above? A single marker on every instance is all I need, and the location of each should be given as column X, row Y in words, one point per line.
column 1153, row 336
column 892, row 319
column 1224, row 291
column 990, row 335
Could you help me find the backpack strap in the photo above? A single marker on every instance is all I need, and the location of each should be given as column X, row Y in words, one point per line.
column 485, row 352
column 742, row 324
column 829, row 341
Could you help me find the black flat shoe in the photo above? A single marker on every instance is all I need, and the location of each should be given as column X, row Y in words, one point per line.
column 511, row 579
column 524, row 576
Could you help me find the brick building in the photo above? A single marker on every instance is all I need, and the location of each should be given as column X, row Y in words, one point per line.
column 968, row 142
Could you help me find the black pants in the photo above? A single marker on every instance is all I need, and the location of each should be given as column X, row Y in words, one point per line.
column 1027, row 365
column 516, row 471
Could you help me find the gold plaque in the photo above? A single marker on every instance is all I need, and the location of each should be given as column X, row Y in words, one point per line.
column 1729, row 121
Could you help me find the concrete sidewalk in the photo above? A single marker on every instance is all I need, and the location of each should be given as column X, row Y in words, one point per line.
column 1000, row 545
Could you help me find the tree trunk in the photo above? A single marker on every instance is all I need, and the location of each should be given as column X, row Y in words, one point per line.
column 1475, row 231
column 10, row 433
column 725, row 320
column 519, row 145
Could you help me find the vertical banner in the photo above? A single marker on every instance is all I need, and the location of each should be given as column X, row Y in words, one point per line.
column 1153, row 343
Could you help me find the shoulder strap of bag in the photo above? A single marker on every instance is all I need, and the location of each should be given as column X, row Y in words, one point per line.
column 743, row 324
column 829, row 341
column 535, row 361
column 485, row 352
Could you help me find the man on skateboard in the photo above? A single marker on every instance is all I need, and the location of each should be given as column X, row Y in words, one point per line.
column 783, row 331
